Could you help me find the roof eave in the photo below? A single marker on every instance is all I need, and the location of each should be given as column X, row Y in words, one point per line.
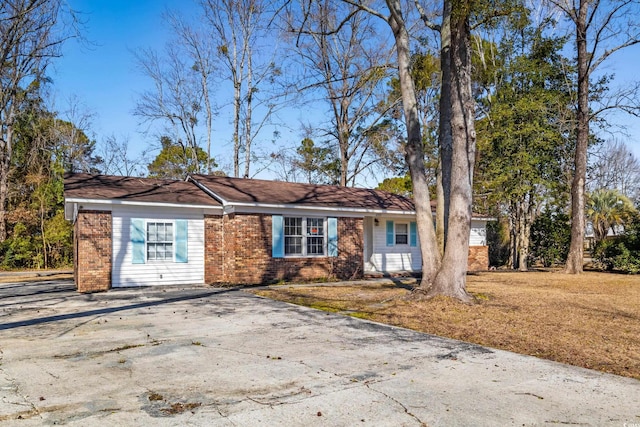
column 237, row 207
column 139, row 203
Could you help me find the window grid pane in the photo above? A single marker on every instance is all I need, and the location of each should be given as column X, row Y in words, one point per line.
column 292, row 245
column 402, row 234
column 315, row 245
column 315, row 227
column 292, row 236
column 304, row 236
column 159, row 241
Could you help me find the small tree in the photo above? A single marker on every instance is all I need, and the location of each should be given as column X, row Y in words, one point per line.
column 550, row 236
column 175, row 161
column 607, row 209
column 317, row 164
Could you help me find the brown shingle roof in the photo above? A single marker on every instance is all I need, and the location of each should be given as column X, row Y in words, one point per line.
column 239, row 190
column 85, row 186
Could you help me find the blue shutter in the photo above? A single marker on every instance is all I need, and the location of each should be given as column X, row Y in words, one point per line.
column 332, row 237
column 181, row 240
column 277, row 239
column 137, row 241
column 390, row 233
column 413, row 235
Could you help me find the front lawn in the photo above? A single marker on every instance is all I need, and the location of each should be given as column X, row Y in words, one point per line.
column 591, row 320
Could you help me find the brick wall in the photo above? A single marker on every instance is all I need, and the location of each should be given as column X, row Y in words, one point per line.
column 238, row 251
column 478, row 258
column 213, row 249
column 93, row 251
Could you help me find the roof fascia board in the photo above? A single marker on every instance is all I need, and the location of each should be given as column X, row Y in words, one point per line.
column 130, row 203
column 322, row 210
column 270, row 207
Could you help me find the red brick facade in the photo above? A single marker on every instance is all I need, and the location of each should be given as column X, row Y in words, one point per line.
column 238, row 251
column 478, row 258
column 92, row 236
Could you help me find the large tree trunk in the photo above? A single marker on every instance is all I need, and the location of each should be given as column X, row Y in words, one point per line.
column 575, row 259
column 440, row 218
column 414, row 154
column 452, row 277
column 524, row 231
column 445, row 138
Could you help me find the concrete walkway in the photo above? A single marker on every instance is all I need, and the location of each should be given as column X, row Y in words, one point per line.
column 202, row 356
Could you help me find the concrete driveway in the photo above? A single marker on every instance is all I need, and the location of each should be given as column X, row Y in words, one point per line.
column 205, row 356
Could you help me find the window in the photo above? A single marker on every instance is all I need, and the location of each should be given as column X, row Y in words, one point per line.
column 315, row 236
column 304, row 236
column 159, row 241
column 402, row 234
column 156, row 240
column 293, row 236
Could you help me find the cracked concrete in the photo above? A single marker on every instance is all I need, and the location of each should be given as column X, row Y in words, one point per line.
column 204, row 356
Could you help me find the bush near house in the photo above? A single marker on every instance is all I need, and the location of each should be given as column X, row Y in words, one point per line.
column 621, row 253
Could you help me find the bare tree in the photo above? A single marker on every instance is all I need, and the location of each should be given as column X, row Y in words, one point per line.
column 350, row 68
column 614, row 166
column 74, row 137
column 199, row 48
column 601, row 29
column 117, row 160
column 31, row 34
column 245, row 50
column 176, row 98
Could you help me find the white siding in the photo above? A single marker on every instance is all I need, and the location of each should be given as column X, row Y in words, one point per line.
column 478, row 235
column 125, row 273
column 392, row 258
column 405, row 257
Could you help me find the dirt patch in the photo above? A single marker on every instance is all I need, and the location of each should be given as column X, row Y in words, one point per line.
column 159, row 405
column 591, row 320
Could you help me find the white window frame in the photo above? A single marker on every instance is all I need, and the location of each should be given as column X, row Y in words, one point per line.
column 305, row 235
column 396, row 234
column 149, row 242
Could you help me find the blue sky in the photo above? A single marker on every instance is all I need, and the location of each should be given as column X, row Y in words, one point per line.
column 104, row 78
column 101, row 73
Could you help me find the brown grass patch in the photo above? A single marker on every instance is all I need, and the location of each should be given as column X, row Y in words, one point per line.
column 591, row 320
column 27, row 277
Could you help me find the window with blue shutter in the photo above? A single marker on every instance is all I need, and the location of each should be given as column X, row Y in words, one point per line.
column 277, row 239
column 137, row 241
column 390, row 233
column 413, row 234
column 181, row 241
column 332, row 237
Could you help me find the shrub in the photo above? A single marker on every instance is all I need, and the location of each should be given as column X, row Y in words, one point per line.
column 498, row 242
column 621, row 253
column 550, row 238
column 19, row 250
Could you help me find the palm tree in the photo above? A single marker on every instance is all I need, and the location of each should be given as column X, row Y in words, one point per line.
column 606, row 209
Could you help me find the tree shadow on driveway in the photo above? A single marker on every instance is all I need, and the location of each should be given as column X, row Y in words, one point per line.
column 190, row 295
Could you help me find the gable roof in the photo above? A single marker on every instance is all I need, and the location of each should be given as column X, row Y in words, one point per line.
column 256, row 192
column 81, row 186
